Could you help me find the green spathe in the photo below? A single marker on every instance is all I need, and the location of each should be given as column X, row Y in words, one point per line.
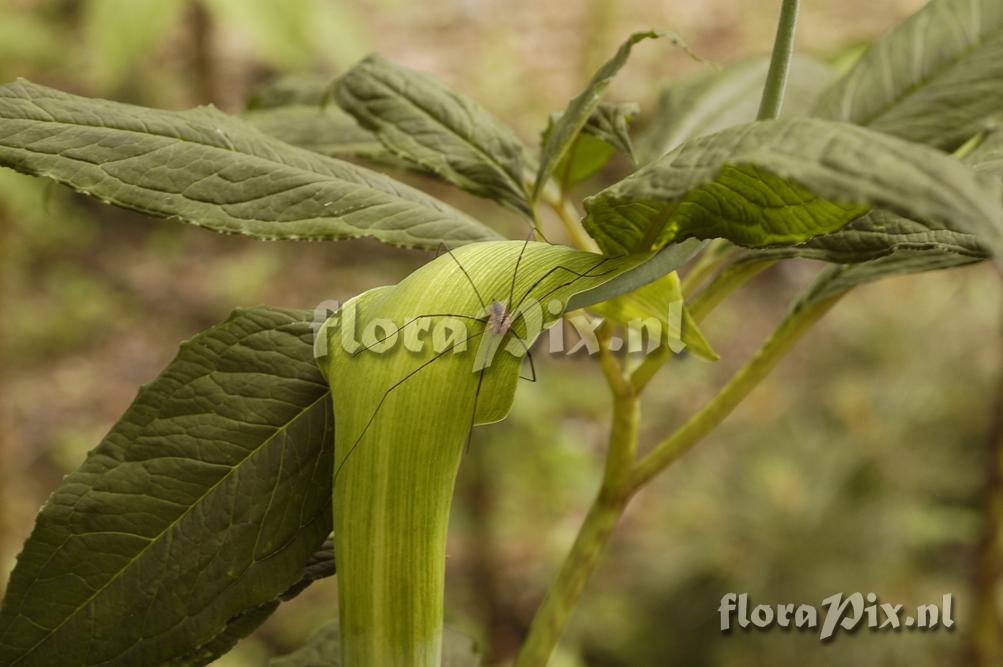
column 399, row 451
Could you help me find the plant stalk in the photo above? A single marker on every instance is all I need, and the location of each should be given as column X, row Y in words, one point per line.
column 622, row 479
column 552, row 616
column 780, row 62
column 726, row 400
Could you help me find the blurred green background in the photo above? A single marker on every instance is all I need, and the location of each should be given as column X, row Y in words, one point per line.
column 862, row 464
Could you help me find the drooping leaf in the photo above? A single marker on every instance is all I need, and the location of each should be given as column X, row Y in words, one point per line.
column 323, row 649
column 880, row 232
column 662, row 301
column 839, row 279
column 215, row 171
column 580, row 109
column 420, row 120
column 715, row 100
column 877, row 234
column 786, row 181
column 665, row 261
column 320, row 565
column 404, row 414
column 295, row 109
column 936, row 78
column 203, row 502
column 290, row 90
column 328, row 131
column 604, row 134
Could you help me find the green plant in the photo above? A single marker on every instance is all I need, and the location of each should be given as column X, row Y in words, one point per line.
column 210, row 501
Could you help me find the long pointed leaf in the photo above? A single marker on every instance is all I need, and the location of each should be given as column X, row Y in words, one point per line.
column 215, row 171
column 786, row 181
column 420, row 120
column 578, row 111
column 935, row 79
column 715, row 100
column 881, row 232
column 320, row 565
column 205, row 500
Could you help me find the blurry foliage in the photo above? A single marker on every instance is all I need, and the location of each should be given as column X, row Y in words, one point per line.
column 856, row 467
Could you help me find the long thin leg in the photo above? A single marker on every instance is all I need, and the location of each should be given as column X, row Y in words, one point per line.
column 473, row 415
column 480, row 298
column 412, row 321
column 532, row 366
column 529, row 355
column 554, row 269
column 511, row 291
column 379, row 405
column 517, row 312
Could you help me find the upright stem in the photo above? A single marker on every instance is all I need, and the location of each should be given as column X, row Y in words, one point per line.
column 622, row 478
column 726, row 400
column 780, row 62
column 564, row 593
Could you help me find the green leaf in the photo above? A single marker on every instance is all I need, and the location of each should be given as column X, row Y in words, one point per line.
column 290, row 90
column 663, row 301
column 213, row 170
column 603, row 135
column 936, row 78
column 839, row 279
column 609, row 123
column 294, row 109
column 204, row 501
column 581, row 108
column 320, row 565
column 875, row 235
column 323, row 649
column 404, row 417
column 714, row 100
column 328, row 131
column 666, row 260
column 881, row 232
column 786, row 181
column 420, row 120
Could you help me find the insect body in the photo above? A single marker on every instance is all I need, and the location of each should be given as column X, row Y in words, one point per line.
column 500, row 320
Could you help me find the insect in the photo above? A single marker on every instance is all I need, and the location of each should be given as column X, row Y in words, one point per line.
column 497, row 319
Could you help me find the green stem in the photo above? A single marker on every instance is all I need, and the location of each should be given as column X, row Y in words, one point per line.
column 780, row 62
column 622, row 478
column 570, row 217
column 743, row 382
column 552, row 616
